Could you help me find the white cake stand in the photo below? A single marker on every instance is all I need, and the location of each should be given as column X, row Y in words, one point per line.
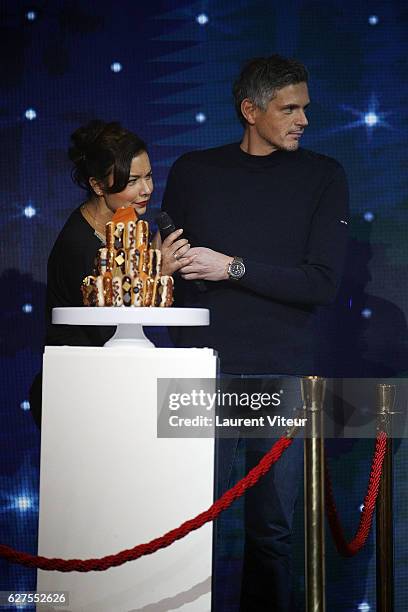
column 130, row 321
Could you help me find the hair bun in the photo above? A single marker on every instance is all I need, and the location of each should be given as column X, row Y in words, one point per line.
column 83, row 138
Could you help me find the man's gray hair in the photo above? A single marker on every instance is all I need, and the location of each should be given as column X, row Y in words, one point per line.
column 262, row 77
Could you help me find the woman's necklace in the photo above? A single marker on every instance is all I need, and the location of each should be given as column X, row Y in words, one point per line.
column 98, row 227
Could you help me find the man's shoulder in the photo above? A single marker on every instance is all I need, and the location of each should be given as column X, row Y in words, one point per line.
column 212, row 156
column 319, row 161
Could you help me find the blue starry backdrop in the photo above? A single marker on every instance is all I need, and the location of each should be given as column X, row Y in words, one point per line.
column 164, row 69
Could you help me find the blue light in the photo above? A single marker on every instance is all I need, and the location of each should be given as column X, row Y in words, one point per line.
column 30, row 114
column 202, row 19
column 200, row 117
column 368, row 216
column 363, row 607
column 350, row 302
column 25, row 405
column 27, row 308
column 116, row 67
column 31, row 15
column 373, row 20
column 366, row 313
column 23, row 503
column 371, row 119
column 29, row 211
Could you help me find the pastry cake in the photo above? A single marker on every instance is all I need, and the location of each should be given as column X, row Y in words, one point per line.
column 127, row 270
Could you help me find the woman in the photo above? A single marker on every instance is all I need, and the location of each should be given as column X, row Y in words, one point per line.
column 112, row 165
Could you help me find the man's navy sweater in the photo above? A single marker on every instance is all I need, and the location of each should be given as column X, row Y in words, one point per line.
column 286, row 215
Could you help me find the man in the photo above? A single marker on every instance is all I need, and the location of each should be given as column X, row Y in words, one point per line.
column 267, row 221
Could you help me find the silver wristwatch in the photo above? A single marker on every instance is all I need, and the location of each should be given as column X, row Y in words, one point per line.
column 236, row 269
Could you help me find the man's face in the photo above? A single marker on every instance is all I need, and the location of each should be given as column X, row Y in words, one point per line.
column 281, row 125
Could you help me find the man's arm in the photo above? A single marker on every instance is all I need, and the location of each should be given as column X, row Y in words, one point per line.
column 173, row 197
column 175, row 248
column 313, row 281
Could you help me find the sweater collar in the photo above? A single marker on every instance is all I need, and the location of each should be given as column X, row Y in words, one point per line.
column 264, row 161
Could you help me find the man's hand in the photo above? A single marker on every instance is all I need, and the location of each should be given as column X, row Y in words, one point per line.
column 206, row 264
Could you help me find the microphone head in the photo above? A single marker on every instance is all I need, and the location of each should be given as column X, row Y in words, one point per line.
column 165, row 224
column 163, row 220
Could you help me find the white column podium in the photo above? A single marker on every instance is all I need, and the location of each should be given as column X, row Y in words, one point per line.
column 108, row 483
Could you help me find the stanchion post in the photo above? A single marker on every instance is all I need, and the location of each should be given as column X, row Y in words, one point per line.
column 313, row 391
column 384, row 526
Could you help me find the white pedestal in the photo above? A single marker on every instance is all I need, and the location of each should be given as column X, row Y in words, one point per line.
column 108, row 483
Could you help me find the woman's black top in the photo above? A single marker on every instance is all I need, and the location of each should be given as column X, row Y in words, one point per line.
column 71, row 259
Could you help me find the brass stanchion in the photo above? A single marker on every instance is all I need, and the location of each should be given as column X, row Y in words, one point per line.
column 384, row 526
column 313, row 391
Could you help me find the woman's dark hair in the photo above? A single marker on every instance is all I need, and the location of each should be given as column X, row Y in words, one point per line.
column 99, row 149
column 262, row 77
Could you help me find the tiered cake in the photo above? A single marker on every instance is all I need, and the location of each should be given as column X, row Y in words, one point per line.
column 127, row 270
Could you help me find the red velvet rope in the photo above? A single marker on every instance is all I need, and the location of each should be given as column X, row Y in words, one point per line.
column 349, row 549
column 104, row 563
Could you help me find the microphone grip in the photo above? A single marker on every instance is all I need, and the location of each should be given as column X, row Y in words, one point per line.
column 166, row 231
column 166, row 227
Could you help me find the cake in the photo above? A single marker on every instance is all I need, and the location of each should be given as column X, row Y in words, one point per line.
column 127, row 270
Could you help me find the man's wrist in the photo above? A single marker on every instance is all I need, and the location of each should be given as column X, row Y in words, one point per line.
column 236, row 269
column 227, row 267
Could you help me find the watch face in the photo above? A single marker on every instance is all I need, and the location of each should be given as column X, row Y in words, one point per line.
column 237, row 269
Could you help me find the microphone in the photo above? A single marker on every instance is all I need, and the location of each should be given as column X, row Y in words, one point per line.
column 166, row 226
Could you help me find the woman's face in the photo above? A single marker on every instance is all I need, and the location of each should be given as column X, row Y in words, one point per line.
column 138, row 190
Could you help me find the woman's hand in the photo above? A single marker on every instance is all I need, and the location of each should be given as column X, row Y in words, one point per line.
column 174, row 252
